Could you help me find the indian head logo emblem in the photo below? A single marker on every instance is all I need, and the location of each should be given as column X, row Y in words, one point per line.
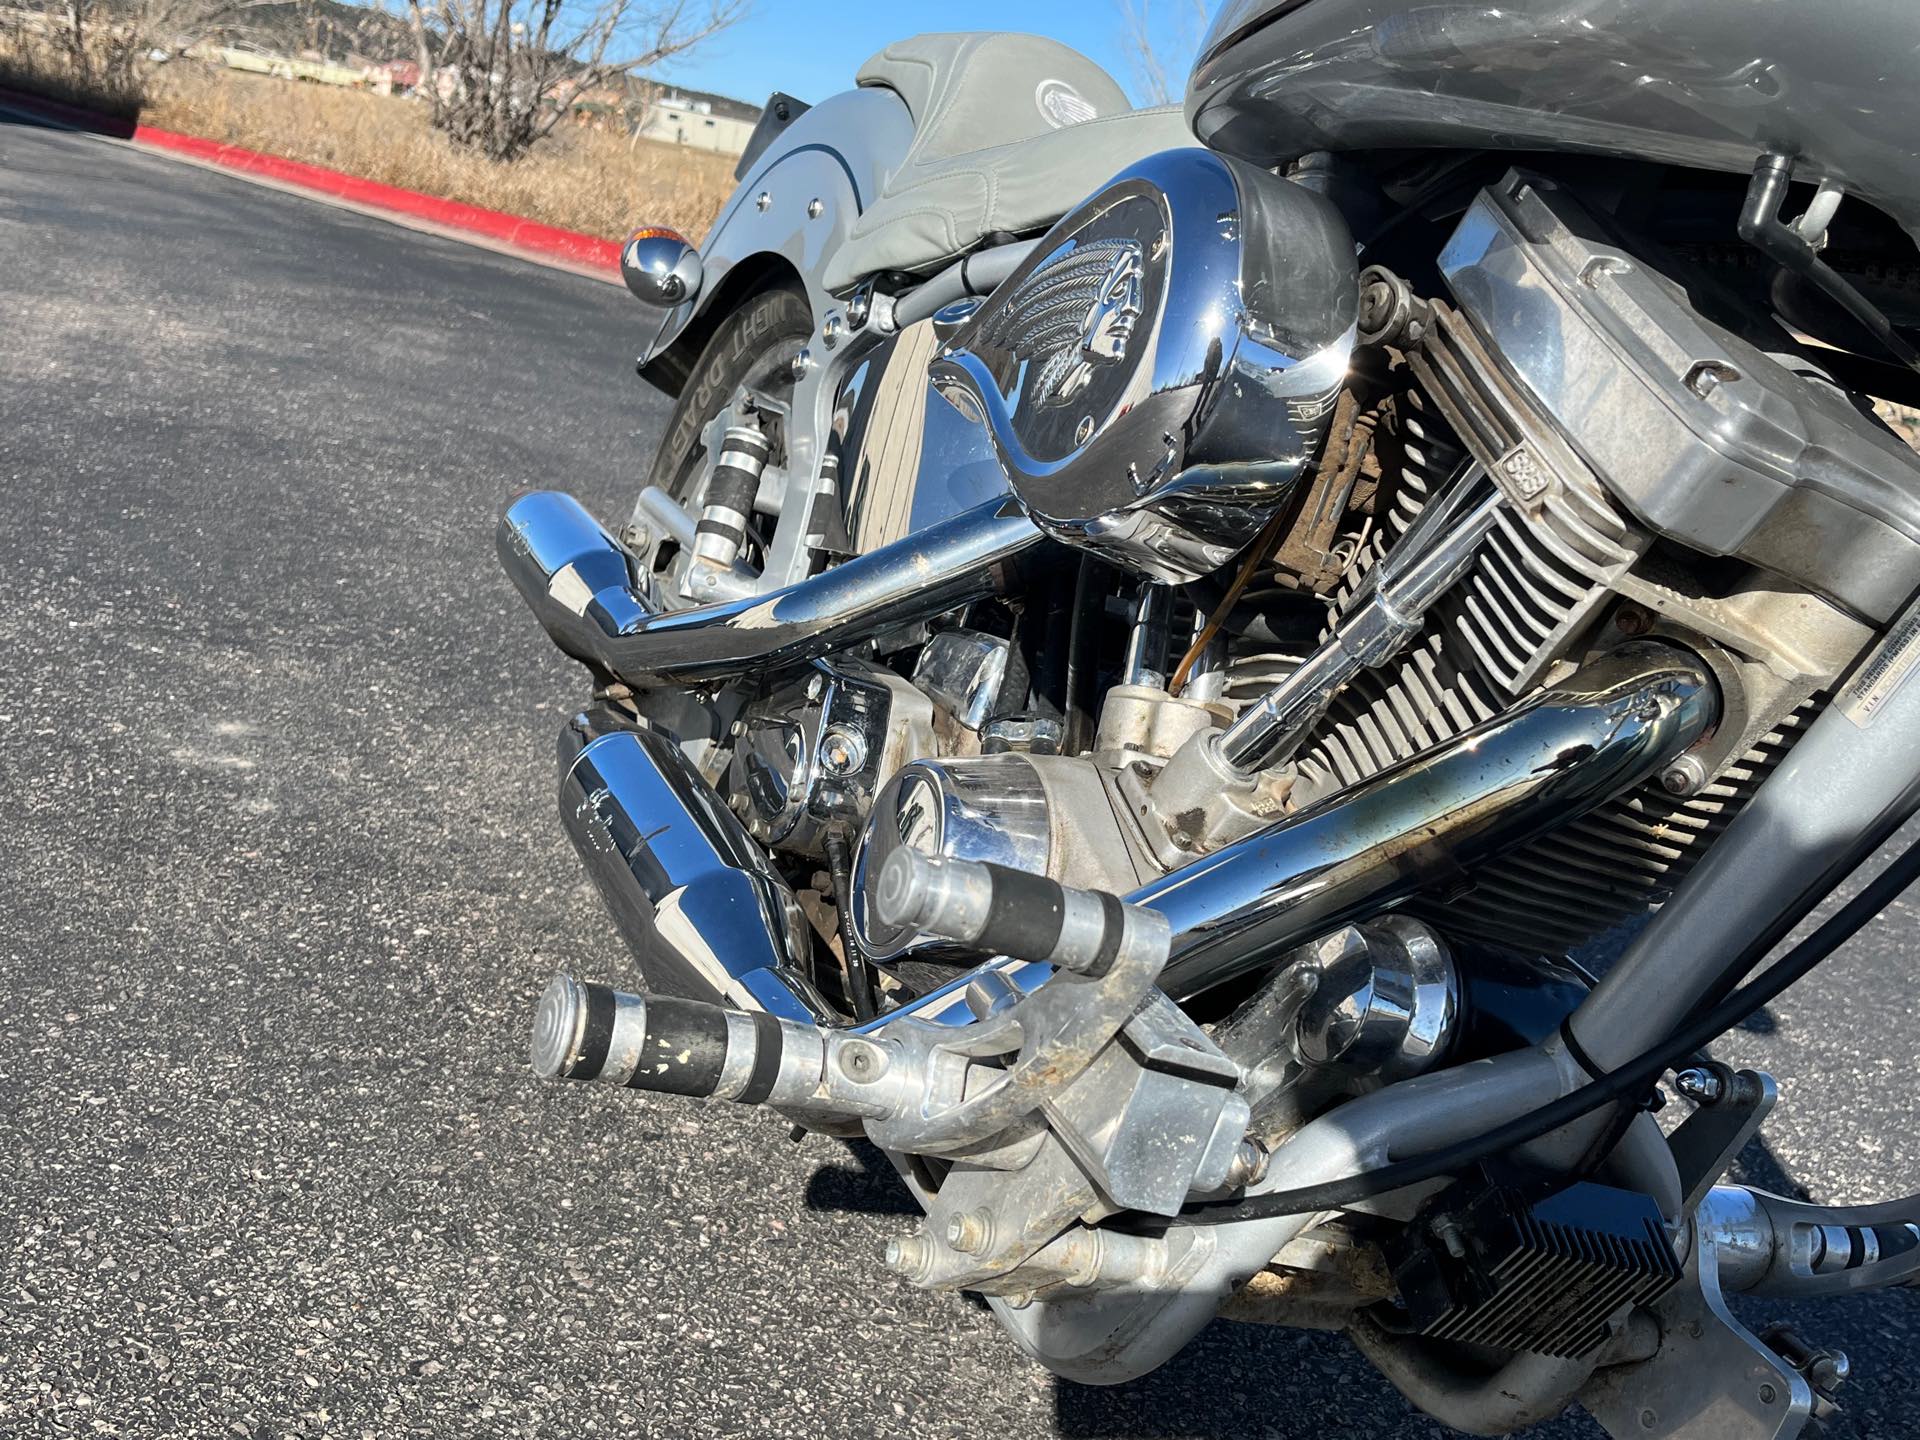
column 1073, row 315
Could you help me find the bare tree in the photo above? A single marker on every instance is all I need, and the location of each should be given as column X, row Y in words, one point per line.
column 1153, row 46
column 500, row 74
column 98, row 46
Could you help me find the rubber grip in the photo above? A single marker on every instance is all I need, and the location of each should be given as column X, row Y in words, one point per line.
column 596, row 1035
column 1024, row 916
column 732, row 533
column 685, row 1047
column 769, row 1042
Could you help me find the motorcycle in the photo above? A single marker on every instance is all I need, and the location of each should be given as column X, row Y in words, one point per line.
column 1163, row 651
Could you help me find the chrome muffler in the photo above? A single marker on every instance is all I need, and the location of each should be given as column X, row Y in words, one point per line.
column 579, row 583
column 695, row 898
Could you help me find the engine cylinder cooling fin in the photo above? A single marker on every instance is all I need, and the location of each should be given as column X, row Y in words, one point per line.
column 1545, row 580
column 1604, row 869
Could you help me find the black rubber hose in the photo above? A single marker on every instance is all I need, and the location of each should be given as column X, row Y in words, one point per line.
column 855, row 972
column 1761, row 227
column 1627, row 1081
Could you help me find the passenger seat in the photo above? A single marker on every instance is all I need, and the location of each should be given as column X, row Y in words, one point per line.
column 1010, row 131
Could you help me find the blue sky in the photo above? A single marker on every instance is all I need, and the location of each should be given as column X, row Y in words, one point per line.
column 811, row 48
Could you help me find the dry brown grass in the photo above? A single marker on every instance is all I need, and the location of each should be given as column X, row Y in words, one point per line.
column 106, row 79
column 588, row 180
column 1904, row 420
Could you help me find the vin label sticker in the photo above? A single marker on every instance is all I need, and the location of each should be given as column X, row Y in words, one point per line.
column 1885, row 671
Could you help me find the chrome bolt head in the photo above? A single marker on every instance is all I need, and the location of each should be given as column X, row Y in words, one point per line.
column 801, row 363
column 762, row 200
column 1830, row 1369
column 862, row 1063
column 815, row 208
column 908, row 1256
column 1700, row 1085
column 832, row 329
column 1249, row 1164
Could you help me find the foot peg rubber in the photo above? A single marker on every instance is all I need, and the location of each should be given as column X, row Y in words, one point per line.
column 584, row 1031
column 998, row 911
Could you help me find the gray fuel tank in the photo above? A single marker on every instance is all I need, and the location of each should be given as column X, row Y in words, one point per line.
column 1706, row 83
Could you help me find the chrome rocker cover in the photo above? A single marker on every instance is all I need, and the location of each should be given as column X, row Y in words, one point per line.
column 1157, row 374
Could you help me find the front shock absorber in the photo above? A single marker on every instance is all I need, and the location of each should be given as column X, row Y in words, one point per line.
column 727, row 507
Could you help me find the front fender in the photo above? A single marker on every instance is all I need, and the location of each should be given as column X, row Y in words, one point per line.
column 782, row 222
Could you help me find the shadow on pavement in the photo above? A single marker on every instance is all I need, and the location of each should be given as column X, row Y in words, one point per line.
column 19, row 108
column 869, row 1186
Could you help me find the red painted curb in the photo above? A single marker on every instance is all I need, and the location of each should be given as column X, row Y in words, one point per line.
column 514, row 231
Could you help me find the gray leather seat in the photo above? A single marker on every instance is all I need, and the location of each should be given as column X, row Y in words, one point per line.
column 1010, row 131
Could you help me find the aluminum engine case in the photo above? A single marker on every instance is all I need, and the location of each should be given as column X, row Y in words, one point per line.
column 1699, row 434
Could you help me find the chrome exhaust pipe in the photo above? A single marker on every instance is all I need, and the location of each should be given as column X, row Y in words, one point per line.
column 1553, row 757
column 697, row 901
column 709, row 918
column 578, row 581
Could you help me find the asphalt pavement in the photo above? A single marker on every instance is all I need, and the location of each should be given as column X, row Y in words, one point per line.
column 280, row 879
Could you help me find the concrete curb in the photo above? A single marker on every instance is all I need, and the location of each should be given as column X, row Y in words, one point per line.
column 513, row 233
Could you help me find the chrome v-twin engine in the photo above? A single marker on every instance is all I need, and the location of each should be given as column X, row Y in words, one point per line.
column 1227, row 921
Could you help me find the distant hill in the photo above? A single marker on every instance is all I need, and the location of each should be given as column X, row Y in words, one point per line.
column 337, row 31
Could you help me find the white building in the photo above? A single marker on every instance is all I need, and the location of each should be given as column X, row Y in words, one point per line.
column 703, row 121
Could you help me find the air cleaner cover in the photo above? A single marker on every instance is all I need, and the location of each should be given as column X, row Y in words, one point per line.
column 1158, row 372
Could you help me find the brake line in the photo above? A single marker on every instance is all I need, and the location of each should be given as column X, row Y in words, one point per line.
column 1625, row 1082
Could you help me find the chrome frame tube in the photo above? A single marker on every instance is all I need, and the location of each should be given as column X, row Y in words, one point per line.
column 578, row 581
